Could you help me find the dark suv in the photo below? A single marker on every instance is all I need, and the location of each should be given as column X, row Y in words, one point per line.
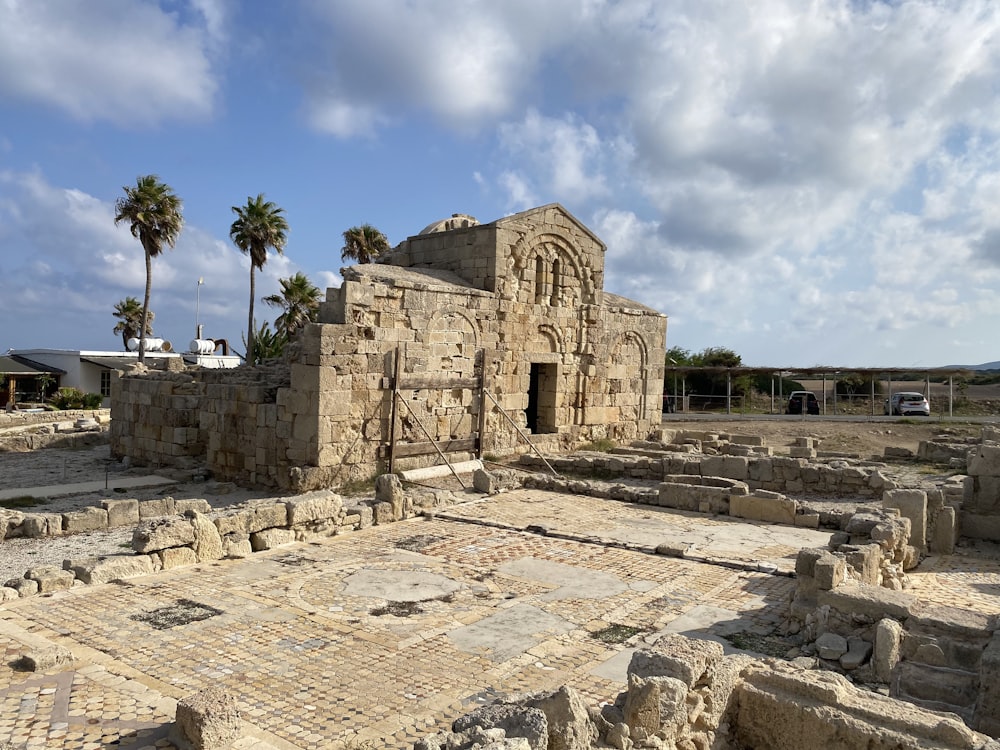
column 796, row 399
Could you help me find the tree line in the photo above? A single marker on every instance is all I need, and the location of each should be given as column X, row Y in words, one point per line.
column 153, row 213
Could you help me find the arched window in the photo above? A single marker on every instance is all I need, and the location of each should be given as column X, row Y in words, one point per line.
column 539, row 281
column 554, row 299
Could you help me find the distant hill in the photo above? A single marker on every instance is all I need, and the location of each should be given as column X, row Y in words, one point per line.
column 984, row 366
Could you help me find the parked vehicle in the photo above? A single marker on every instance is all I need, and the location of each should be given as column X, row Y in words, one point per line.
column 906, row 403
column 796, row 399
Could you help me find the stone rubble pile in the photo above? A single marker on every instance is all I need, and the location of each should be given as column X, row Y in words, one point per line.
column 684, row 694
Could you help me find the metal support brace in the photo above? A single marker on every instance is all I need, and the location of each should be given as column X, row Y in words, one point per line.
column 519, row 432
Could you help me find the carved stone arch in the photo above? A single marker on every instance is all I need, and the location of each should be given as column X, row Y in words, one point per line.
column 550, row 246
column 439, row 318
column 547, row 340
column 451, row 338
column 628, row 376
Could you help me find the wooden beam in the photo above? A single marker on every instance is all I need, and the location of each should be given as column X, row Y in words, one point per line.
column 401, row 450
column 414, row 383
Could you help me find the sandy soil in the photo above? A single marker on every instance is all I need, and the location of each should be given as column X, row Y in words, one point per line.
column 862, row 437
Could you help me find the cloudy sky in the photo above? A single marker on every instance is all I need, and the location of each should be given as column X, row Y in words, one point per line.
column 807, row 182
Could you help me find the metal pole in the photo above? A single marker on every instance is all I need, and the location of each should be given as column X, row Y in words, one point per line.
column 824, row 394
column 197, row 309
column 951, row 395
column 729, row 391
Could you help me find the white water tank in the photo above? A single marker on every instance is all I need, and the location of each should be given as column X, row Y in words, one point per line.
column 149, row 345
column 202, row 346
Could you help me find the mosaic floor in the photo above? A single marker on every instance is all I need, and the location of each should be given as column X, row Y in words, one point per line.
column 384, row 635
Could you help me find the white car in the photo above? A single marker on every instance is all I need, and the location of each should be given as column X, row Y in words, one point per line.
column 905, row 403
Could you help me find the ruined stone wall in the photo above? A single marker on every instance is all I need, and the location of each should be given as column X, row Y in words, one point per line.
column 942, row 658
column 683, row 693
column 981, row 504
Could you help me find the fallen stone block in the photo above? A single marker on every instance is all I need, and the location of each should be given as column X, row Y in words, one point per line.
column 37, row 525
column 23, row 586
column 50, row 578
column 176, row 557
column 121, row 512
column 234, row 546
column 676, row 656
column 44, row 659
column 162, row 533
column 207, row 544
column 209, row 720
column 314, row 506
column 87, row 519
column 513, row 719
column 112, row 568
column 156, row 508
column 778, row 509
column 268, row 516
column 198, row 505
column 271, row 538
column 388, row 489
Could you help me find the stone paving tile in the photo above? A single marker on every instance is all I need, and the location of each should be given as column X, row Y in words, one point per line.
column 316, row 660
column 958, row 580
column 712, row 537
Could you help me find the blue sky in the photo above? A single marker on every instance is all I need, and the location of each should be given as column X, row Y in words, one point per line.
column 807, row 183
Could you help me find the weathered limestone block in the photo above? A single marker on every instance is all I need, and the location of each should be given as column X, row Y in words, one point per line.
column 156, row 508
column 234, row 522
column 829, row 571
column 655, row 704
column 945, row 536
column 771, row 509
column 872, row 602
column 121, row 512
column 858, row 651
column 569, row 725
column 676, row 656
column 176, row 557
column 162, row 533
column 382, row 513
column 271, row 538
column 512, row 719
column 209, row 720
column 87, row 519
column 986, row 717
column 50, row 578
column 388, row 489
column 36, row 525
column 980, row 525
column 8, row 594
column 865, row 562
column 780, row 707
column 112, row 568
column 912, row 504
column 195, row 504
column 23, row 586
column 44, row 659
column 268, row 516
column 364, row 514
column 730, row 467
column 207, row 543
column 937, row 688
column 314, row 506
column 888, row 636
column 236, row 547
column 984, row 461
column 831, row 646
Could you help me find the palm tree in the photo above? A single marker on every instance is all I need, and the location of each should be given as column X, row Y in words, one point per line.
column 129, row 314
column 267, row 344
column 363, row 244
column 299, row 301
column 153, row 213
column 259, row 225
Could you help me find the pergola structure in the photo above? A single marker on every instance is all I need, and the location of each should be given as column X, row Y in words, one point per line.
column 15, row 369
column 780, row 374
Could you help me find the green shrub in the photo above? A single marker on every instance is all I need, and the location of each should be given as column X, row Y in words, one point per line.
column 74, row 398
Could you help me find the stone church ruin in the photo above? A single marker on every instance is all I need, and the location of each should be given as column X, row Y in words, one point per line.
column 466, row 338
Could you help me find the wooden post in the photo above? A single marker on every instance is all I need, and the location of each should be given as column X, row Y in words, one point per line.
column 396, row 368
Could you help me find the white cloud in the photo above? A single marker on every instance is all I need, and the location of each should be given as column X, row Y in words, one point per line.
column 125, row 61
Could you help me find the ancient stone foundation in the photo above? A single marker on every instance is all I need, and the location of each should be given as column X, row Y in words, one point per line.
column 684, row 694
